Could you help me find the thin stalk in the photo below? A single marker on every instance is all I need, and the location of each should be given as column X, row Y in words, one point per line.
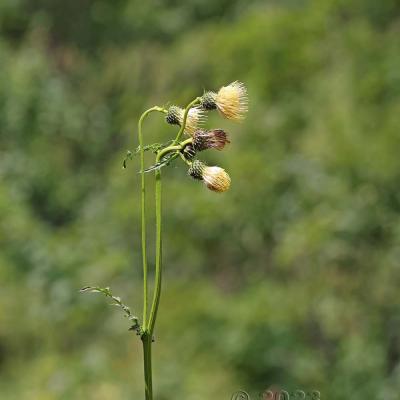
column 148, row 379
column 176, row 148
column 147, row 337
column 158, row 277
column 143, row 210
column 148, row 328
column 185, row 160
column 189, row 106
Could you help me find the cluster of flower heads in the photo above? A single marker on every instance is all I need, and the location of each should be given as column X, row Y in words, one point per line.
column 232, row 103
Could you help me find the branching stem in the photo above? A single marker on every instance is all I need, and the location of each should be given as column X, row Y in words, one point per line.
column 175, row 148
column 148, row 325
column 143, row 209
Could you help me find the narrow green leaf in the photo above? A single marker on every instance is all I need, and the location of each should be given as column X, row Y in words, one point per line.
column 116, row 302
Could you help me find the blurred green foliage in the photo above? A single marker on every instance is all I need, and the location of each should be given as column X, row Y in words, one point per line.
column 290, row 280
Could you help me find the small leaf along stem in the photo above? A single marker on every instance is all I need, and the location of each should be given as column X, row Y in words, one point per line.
column 116, row 301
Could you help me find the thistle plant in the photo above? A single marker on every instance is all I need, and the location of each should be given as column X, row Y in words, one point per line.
column 232, row 103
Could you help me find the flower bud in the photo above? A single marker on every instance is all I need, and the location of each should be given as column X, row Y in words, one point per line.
column 214, row 139
column 173, row 116
column 215, row 178
column 208, row 101
column 194, row 119
column 196, row 169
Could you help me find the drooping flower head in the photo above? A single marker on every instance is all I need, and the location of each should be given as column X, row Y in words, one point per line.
column 194, row 120
column 215, row 178
column 213, row 139
column 231, row 101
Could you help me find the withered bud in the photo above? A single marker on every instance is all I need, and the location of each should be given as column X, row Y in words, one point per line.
column 213, row 139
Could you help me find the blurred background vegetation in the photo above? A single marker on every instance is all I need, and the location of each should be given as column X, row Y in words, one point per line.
column 290, row 280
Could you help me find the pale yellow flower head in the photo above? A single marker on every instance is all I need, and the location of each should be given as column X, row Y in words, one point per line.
column 232, row 101
column 194, row 120
column 216, row 179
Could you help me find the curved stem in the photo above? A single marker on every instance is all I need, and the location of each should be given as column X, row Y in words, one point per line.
column 185, row 160
column 143, row 209
column 146, row 337
column 148, row 328
column 185, row 142
column 169, row 149
column 158, row 277
column 182, row 129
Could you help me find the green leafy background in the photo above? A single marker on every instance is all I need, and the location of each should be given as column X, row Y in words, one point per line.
column 289, row 281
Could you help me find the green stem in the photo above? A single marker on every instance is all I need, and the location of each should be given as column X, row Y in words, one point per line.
column 148, row 379
column 148, row 329
column 182, row 129
column 143, row 210
column 176, row 148
column 147, row 337
column 158, row 277
column 185, row 160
